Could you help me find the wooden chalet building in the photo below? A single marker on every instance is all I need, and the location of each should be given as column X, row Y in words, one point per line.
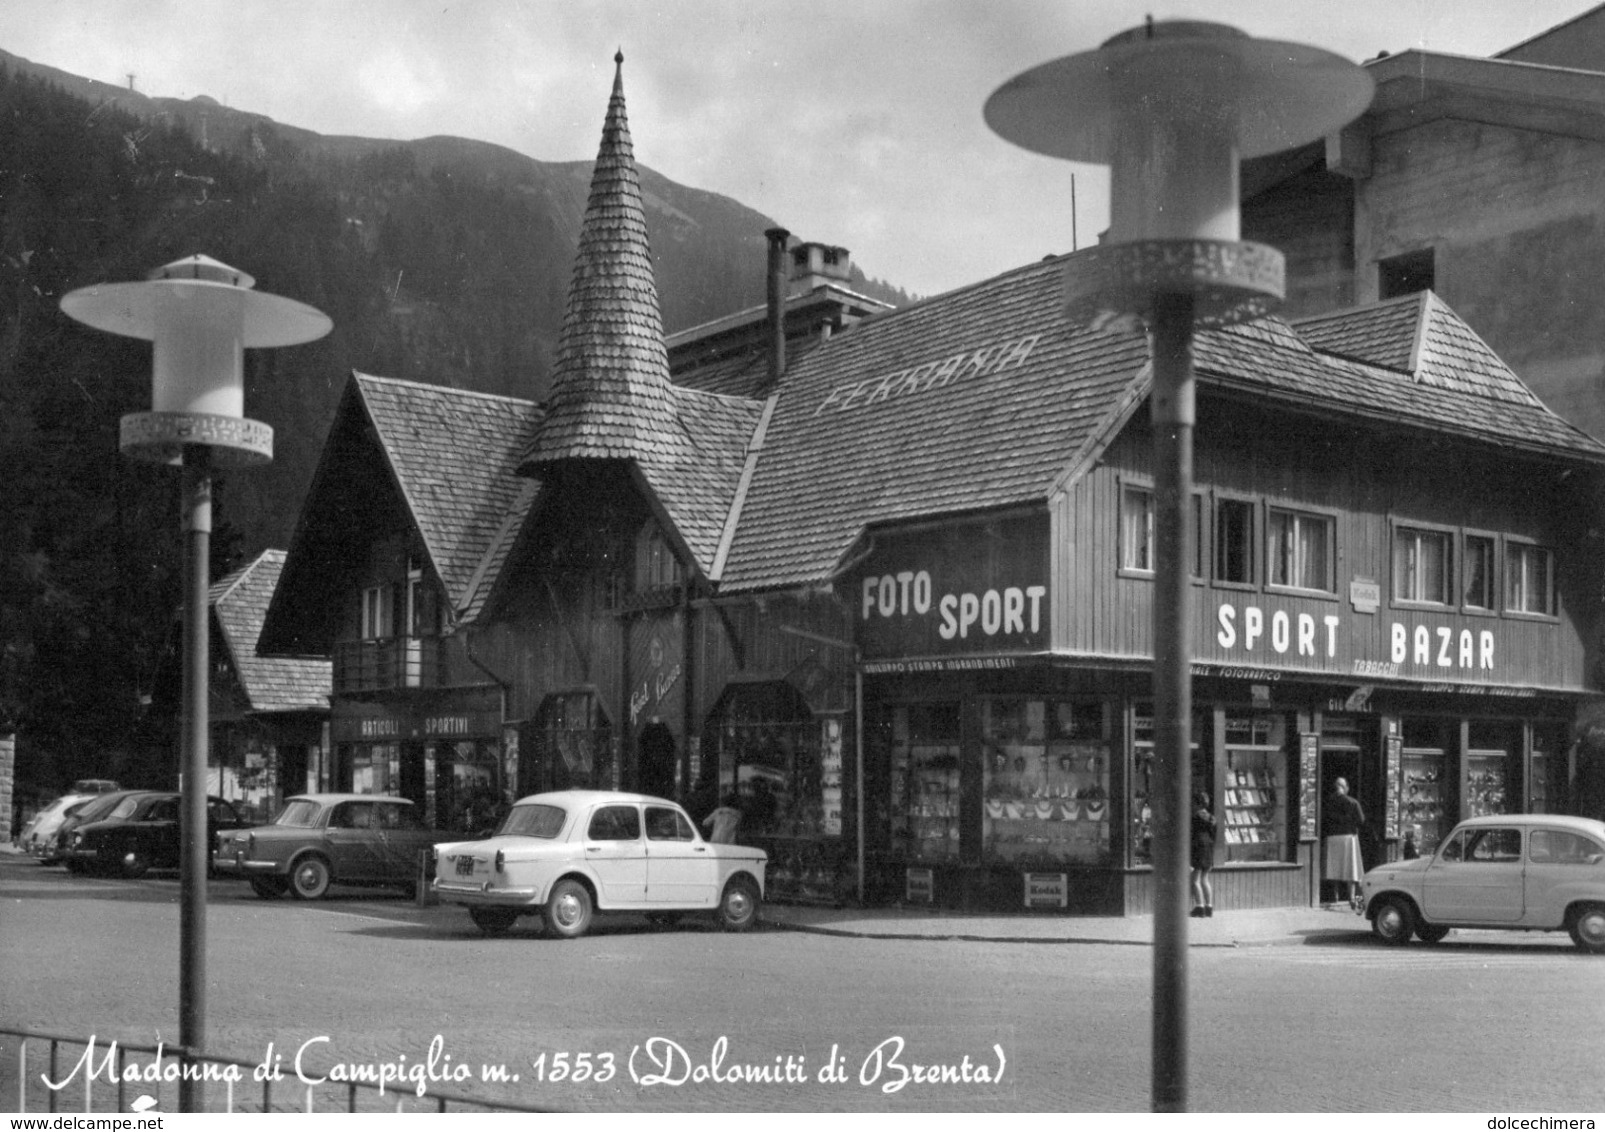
column 414, row 483
column 894, row 591
column 268, row 716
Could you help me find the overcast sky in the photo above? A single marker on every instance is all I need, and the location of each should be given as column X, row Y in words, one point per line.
column 851, row 122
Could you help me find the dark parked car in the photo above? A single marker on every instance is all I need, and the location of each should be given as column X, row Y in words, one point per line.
column 143, row 832
column 323, row 839
column 93, row 810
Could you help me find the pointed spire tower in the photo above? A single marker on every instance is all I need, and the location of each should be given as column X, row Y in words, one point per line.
column 611, row 398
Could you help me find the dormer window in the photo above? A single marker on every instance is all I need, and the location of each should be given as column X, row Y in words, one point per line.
column 655, row 563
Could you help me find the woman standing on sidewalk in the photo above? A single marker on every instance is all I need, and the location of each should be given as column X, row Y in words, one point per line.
column 1203, row 856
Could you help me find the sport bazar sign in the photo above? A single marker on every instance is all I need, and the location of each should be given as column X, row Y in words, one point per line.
column 1252, row 632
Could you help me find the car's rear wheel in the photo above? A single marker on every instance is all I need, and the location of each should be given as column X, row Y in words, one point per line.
column 134, row 863
column 269, row 888
column 1394, row 921
column 1588, row 928
column 492, row 921
column 310, row 878
column 1431, row 933
column 738, row 906
column 568, row 909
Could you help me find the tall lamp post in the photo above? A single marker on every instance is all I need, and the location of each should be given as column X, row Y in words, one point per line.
column 201, row 316
column 1171, row 107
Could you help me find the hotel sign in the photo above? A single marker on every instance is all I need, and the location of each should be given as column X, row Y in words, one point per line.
column 967, row 588
column 983, row 361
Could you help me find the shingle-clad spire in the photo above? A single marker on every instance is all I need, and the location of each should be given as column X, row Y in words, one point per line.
column 611, row 397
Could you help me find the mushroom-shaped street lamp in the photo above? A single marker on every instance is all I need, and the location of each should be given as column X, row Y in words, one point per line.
column 1172, row 107
column 201, row 316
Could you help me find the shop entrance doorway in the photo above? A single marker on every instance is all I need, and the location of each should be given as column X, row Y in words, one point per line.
column 1349, row 751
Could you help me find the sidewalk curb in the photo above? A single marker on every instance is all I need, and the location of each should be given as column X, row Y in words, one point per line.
column 964, row 937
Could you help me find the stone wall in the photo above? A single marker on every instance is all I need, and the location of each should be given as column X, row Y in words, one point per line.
column 8, row 778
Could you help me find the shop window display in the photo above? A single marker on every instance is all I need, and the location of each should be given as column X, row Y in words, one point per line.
column 768, row 752
column 572, row 748
column 1487, row 791
column 468, row 796
column 1142, row 778
column 1254, row 789
column 1490, row 754
column 1423, row 797
column 1046, row 779
column 375, row 769
column 924, row 799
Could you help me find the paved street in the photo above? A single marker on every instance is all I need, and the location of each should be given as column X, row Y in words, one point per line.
column 1327, row 1021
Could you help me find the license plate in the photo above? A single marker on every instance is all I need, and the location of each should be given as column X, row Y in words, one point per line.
column 465, row 866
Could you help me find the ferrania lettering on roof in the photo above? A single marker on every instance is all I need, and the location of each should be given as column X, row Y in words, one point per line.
column 983, row 361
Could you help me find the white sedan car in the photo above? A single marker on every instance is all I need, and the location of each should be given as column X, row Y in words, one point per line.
column 1527, row 872
column 39, row 835
column 570, row 854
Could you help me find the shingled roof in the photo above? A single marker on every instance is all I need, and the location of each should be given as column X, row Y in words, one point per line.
column 611, row 397
column 453, row 453
column 1419, row 335
column 977, row 399
column 239, row 603
column 985, row 398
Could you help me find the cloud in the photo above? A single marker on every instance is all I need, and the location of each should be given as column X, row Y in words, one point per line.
column 398, row 82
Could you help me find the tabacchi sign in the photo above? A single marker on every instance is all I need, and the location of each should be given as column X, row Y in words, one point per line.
column 971, row 588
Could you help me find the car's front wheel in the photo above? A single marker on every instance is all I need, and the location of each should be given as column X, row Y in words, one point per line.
column 269, row 888
column 738, row 906
column 1588, row 928
column 493, row 921
column 568, row 909
column 310, row 878
column 1394, row 921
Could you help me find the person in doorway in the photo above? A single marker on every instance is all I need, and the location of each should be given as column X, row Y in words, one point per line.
column 1343, row 819
column 1412, row 845
column 1203, row 856
column 722, row 821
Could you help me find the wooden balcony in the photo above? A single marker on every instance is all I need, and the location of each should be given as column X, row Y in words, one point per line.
column 395, row 662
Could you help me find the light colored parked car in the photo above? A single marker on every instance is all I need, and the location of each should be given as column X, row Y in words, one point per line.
column 1528, row 872
column 39, row 835
column 573, row 853
column 323, row 839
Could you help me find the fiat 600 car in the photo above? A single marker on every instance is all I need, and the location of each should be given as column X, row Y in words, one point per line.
column 570, row 854
column 323, row 839
column 1529, row 872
